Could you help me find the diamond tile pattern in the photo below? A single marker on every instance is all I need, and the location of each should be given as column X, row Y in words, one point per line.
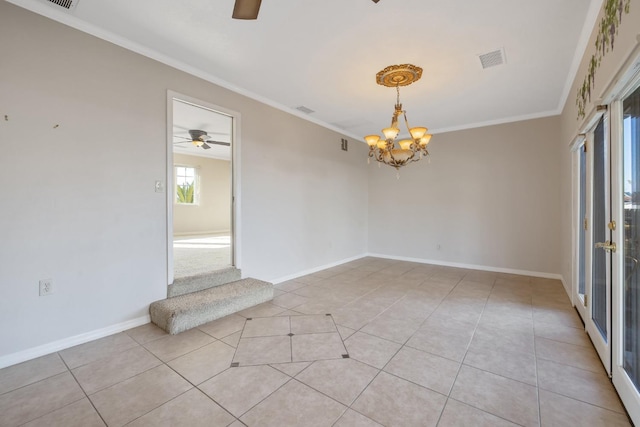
column 404, row 344
column 285, row 339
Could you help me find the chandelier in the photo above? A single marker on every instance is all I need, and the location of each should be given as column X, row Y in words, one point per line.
column 384, row 150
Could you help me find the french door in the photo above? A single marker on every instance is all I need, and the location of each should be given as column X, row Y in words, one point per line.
column 626, row 271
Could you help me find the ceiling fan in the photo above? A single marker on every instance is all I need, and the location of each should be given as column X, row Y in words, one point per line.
column 199, row 139
column 248, row 9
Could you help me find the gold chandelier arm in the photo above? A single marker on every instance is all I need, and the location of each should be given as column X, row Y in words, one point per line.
column 406, row 123
column 379, row 155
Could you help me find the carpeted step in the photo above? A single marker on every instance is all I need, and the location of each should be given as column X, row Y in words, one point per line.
column 199, row 282
column 184, row 312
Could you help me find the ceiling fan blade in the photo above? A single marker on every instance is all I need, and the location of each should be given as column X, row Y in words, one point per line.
column 246, row 9
column 205, row 146
column 211, row 141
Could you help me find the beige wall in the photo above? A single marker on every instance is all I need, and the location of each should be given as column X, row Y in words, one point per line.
column 87, row 214
column 625, row 42
column 213, row 212
column 489, row 197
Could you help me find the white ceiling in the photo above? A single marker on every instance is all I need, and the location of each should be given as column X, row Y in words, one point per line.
column 218, row 127
column 324, row 54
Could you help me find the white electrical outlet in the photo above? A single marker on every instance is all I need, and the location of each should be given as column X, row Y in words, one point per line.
column 46, row 287
column 159, row 187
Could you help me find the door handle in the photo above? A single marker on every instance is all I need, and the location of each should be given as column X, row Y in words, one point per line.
column 608, row 246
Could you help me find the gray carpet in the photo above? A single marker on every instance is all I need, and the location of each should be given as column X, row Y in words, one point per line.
column 195, row 255
column 184, row 312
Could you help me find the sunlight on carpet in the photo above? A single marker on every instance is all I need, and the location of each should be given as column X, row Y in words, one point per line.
column 200, row 254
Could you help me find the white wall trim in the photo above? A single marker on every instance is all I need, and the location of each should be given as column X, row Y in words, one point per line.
column 78, row 24
column 502, row 121
column 315, row 269
column 74, row 22
column 471, row 266
column 52, row 347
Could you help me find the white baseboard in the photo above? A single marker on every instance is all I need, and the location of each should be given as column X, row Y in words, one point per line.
column 471, row 266
column 423, row 261
column 564, row 285
column 32, row 353
column 315, row 269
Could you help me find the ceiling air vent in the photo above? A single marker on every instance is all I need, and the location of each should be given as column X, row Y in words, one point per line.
column 491, row 59
column 65, row 4
column 305, row 109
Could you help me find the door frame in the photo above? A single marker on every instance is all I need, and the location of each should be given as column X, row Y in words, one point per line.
column 577, row 300
column 603, row 346
column 236, row 199
column 619, row 86
column 586, row 137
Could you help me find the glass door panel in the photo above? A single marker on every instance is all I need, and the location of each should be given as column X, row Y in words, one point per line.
column 595, row 240
column 631, row 249
column 601, row 206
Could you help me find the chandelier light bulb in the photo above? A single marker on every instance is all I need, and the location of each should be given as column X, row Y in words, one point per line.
column 372, row 140
column 405, row 144
column 390, row 133
column 417, row 133
column 425, row 140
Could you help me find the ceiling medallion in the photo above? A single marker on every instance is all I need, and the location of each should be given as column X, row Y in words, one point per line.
column 399, row 75
column 410, row 150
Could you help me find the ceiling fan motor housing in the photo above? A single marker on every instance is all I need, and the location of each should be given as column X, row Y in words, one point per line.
column 197, row 135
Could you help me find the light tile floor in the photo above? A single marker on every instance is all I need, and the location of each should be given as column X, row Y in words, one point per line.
column 405, row 344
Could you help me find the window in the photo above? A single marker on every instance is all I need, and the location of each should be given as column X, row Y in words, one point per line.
column 186, row 185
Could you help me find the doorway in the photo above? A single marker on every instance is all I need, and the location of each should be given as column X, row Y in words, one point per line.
column 607, row 234
column 200, row 188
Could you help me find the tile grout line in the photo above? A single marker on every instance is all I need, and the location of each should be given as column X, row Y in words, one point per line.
column 290, row 341
column 455, row 379
column 381, row 289
column 481, row 410
column 267, row 396
column 235, row 351
column 399, row 349
column 83, row 390
column 584, row 401
column 37, row 381
column 378, row 315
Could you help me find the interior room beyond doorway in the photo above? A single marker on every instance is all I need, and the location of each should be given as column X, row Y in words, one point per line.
column 202, row 171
